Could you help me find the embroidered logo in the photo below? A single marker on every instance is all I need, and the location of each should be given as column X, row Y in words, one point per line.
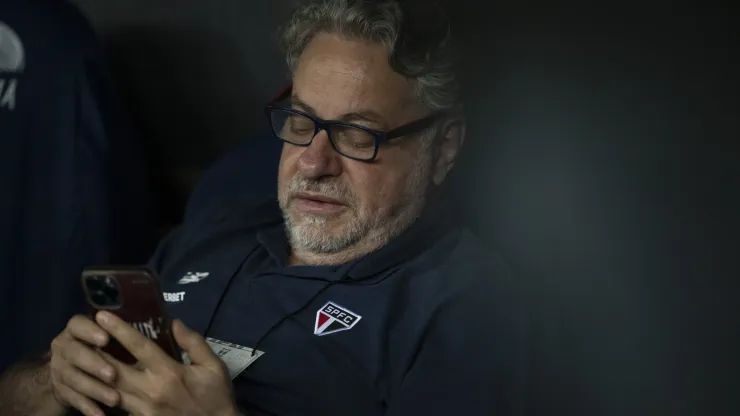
column 334, row 318
column 193, row 277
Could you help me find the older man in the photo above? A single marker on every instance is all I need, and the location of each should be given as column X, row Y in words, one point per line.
column 356, row 294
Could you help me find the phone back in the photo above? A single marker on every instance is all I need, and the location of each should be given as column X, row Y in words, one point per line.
column 133, row 294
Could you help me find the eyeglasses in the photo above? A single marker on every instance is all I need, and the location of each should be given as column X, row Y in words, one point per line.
column 348, row 139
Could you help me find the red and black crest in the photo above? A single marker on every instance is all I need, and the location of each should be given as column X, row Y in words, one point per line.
column 334, row 318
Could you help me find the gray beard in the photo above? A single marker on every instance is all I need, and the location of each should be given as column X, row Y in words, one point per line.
column 312, row 235
column 367, row 231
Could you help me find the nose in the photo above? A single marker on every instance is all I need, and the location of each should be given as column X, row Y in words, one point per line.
column 319, row 158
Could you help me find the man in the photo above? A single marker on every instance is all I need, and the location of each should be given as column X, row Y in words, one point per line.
column 357, row 294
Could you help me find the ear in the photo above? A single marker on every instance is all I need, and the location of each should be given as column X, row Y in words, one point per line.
column 450, row 140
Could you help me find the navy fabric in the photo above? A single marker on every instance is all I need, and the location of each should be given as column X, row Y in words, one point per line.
column 72, row 178
column 442, row 329
column 250, row 169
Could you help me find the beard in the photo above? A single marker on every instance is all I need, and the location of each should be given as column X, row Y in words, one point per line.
column 355, row 226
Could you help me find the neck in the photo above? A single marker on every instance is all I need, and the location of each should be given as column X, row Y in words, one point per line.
column 307, row 258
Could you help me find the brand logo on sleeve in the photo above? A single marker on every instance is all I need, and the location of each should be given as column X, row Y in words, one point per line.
column 193, row 277
column 334, row 318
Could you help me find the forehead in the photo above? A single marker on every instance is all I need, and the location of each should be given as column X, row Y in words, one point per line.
column 337, row 75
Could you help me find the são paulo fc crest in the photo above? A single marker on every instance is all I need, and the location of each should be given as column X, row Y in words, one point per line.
column 334, row 318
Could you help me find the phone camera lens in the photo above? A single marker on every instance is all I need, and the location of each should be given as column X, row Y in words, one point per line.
column 99, row 299
column 103, row 291
column 93, row 284
column 110, row 281
column 111, row 293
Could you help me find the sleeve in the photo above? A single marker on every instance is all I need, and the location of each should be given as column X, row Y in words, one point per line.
column 248, row 171
column 85, row 200
column 473, row 360
column 182, row 237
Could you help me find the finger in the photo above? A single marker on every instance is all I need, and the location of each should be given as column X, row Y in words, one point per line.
column 84, row 329
column 81, row 356
column 129, row 379
column 194, row 344
column 82, row 383
column 137, row 344
column 80, row 402
column 134, row 404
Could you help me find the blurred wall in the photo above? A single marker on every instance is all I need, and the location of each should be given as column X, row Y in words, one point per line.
column 610, row 141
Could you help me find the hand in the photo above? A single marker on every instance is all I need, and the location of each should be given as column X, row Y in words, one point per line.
column 161, row 386
column 78, row 372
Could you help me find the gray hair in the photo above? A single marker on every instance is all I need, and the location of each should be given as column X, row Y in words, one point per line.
column 415, row 33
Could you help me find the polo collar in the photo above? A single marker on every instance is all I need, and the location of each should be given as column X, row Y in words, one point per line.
column 435, row 221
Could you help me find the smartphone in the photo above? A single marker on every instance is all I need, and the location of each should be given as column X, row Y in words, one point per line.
column 134, row 295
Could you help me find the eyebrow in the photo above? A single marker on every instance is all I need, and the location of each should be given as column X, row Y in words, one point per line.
column 364, row 115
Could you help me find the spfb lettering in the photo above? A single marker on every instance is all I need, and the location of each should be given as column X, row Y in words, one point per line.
column 339, row 314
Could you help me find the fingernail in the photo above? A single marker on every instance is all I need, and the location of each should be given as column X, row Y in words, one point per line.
column 100, row 339
column 107, row 372
column 183, row 326
column 111, row 399
column 103, row 317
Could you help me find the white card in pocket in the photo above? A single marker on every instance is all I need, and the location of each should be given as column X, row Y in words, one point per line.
column 236, row 357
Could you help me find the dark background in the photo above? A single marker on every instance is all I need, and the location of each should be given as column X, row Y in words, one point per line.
column 602, row 158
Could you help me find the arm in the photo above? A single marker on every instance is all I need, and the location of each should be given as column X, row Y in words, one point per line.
column 72, row 375
column 25, row 389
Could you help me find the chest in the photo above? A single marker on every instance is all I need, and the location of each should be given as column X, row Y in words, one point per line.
column 327, row 350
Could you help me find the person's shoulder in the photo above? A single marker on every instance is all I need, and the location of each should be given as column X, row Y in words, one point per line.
column 248, row 212
column 474, row 341
column 476, row 280
column 231, row 223
column 240, row 216
column 471, row 248
column 463, row 275
column 471, row 264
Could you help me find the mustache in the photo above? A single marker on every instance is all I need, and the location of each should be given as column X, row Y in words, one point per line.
column 325, row 187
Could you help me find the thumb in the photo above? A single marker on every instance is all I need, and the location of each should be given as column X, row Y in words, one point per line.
column 193, row 344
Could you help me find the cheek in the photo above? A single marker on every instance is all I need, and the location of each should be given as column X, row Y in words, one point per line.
column 288, row 165
column 381, row 185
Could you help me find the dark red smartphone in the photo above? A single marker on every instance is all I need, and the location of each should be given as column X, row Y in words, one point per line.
column 134, row 295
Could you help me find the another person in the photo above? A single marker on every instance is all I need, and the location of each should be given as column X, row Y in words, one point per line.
column 359, row 287
column 70, row 165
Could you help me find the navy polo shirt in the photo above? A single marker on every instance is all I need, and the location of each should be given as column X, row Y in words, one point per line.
column 429, row 324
